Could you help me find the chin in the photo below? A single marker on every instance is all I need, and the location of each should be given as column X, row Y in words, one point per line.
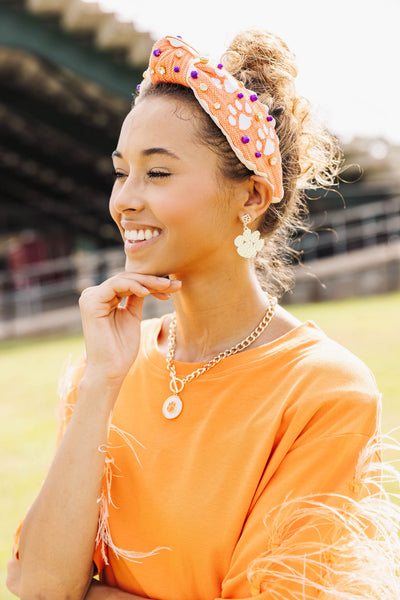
column 144, row 270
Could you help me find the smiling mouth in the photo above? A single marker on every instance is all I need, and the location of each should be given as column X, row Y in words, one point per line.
column 139, row 235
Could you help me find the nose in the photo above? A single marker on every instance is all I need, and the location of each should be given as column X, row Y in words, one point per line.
column 126, row 197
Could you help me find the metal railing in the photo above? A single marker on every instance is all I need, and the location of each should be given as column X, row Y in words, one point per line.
column 352, row 228
column 55, row 283
column 47, row 285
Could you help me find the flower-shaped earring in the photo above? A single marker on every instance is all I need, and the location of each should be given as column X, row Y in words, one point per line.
column 248, row 244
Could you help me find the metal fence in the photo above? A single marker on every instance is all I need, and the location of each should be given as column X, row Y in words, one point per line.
column 52, row 284
column 48, row 285
column 351, row 229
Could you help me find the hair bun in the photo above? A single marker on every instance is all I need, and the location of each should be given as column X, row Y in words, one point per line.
column 278, row 111
column 264, row 63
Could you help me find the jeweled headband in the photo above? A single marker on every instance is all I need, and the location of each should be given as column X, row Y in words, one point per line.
column 238, row 113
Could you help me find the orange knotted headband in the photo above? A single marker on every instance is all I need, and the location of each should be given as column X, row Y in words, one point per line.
column 241, row 117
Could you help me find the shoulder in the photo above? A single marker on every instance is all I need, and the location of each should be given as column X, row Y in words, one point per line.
column 333, row 389
column 311, row 353
column 316, row 382
column 328, row 362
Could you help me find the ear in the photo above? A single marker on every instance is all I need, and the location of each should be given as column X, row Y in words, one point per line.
column 259, row 196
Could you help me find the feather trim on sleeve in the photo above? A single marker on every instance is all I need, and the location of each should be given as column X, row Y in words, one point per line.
column 104, row 539
column 67, row 394
column 352, row 550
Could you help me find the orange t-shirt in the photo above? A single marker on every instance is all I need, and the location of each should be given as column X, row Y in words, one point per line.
column 284, row 420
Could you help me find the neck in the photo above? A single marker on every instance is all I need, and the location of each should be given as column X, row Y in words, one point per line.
column 215, row 312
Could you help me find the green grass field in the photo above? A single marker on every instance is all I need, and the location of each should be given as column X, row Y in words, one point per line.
column 29, row 370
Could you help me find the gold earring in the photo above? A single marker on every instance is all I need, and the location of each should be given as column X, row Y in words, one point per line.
column 248, row 244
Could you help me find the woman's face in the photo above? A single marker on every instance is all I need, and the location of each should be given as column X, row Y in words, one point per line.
column 167, row 191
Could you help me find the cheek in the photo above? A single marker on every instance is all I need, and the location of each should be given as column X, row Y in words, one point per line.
column 189, row 204
column 172, row 210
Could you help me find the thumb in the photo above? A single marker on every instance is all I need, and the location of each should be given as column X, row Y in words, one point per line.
column 134, row 304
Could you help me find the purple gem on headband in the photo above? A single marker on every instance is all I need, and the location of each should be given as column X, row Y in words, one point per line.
column 179, row 36
column 245, row 139
column 220, row 66
column 269, row 118
column 194, row 74
column 240, row 95
column 253, row 97
column 258, row 154
column 176, row 69
column 138, row 87
column 157, row 52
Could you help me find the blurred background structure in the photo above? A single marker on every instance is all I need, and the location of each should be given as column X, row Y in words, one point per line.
column 67, row 73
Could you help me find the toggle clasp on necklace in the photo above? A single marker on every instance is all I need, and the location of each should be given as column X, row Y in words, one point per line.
column 172, row 407
column 176, row 385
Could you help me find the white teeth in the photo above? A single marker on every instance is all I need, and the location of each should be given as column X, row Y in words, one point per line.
column 131, row 235
column 135, row 235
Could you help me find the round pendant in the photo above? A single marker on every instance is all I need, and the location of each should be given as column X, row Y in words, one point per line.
column 172, row 407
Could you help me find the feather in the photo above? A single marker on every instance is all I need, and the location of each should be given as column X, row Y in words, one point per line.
column 67, row 391
column 353, row 547
column 104, row 539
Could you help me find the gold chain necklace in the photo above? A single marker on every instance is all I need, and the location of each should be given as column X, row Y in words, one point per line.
column 172, row 406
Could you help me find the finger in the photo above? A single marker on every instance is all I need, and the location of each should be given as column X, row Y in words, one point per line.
column 112, row 292
column 120, row 290
column 125, row 286
column 161, row 295
column 160, row 284
column 152, row 282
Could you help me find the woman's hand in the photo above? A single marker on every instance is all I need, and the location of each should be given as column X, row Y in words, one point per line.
column 112, row 332
column 103, row 592
column 13, row 576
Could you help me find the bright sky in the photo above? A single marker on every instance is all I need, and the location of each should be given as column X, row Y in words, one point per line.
column 348, row 51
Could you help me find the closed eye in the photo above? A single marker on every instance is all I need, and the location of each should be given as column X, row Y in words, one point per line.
column 155, row 173
column 151, row 174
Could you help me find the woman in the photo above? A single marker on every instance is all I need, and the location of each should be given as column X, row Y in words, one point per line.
column 213, row 453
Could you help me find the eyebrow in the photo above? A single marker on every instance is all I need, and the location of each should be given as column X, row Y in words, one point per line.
column 150, row 152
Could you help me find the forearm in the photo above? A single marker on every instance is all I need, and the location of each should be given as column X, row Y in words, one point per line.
column 57, row 537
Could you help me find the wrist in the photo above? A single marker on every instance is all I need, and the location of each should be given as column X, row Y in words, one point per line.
column 98, row 375
column 95, row 385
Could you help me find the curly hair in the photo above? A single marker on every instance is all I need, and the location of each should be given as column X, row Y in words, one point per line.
column 311, row 156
